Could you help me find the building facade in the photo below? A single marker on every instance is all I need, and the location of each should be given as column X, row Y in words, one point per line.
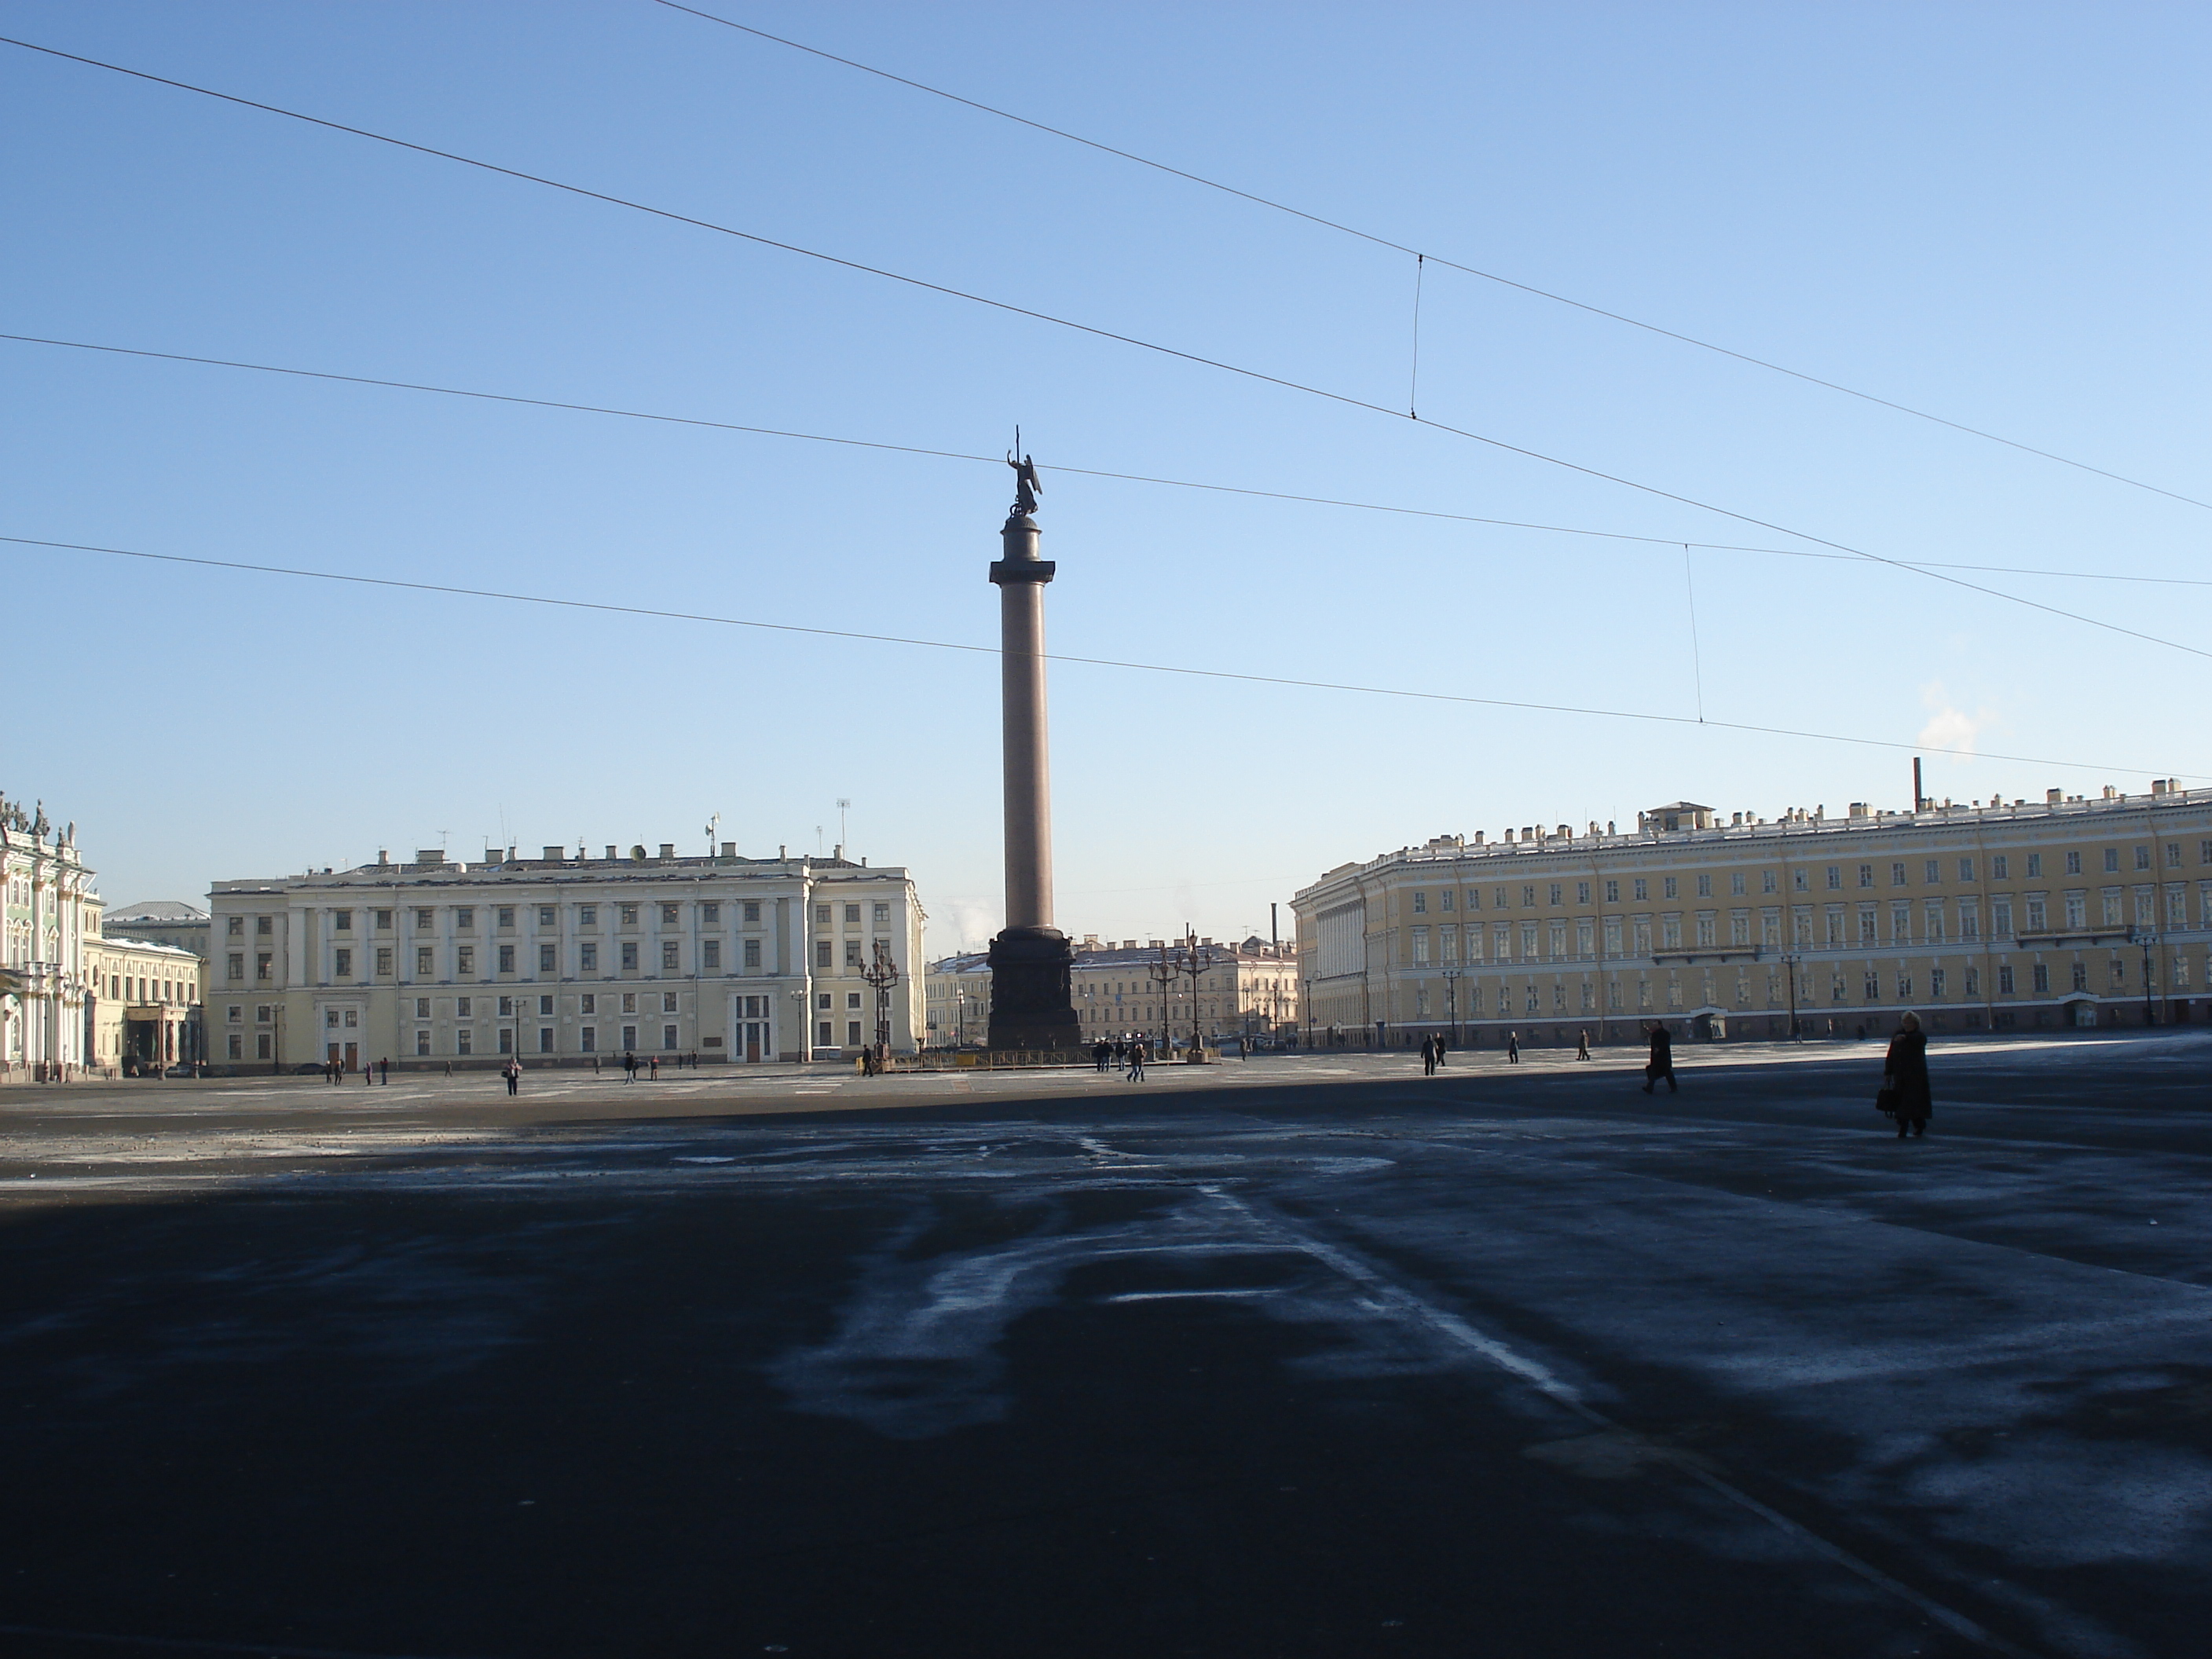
column 1248, row 988
column 51, row 908
column 956, row 993
column 2071, row 911
column 563, row 958
column 142, row 1005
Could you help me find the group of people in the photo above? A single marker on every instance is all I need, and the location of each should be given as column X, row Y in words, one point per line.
column 1129, row 1054
column 1904, row 1097
column 372, row 1071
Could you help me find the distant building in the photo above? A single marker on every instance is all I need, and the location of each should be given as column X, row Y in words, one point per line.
column 160, row 921
column 1252, row 987
column 563, row 958
column 143, row 1006
column 71, row 997
column 958, row 999
column 1989, row 917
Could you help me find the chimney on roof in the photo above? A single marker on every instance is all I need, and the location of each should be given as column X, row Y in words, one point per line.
column 553, row 854
column 668, row 849
column 492, row 856
column 2052, row 797
column 729, row 849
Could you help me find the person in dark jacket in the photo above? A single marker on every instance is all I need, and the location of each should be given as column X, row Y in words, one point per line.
column 1428, row 1056
column 1661, row 1063
column 1905, row 1071
column 1513, row 1047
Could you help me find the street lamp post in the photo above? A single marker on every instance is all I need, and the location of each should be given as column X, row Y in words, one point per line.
column 2146, row 937
column 881, row 974
column 1451, row 1000
column 1789, row 961
column 1164, row 973
column 1194, row 960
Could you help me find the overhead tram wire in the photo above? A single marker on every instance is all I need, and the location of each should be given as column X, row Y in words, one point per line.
column 576, row 407
column 653, row 613
column 1344, row 398
column 1437, row 258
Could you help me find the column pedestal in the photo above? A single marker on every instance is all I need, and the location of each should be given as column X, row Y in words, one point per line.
column 1031, row 1004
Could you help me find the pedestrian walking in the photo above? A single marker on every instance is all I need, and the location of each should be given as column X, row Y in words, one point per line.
column 1661, row 1063
column 1137, row 1061
column 1513, row 1047
column 514, row 1073
column 1905, row 1094
column 595, row 1064
column 368, row 1074
column 629, row 1066
column 1428, row 1056
column 1441, row 1047
column 384, row 1071
column 449, row 1068
column 1101, row 1052
column 1581, row 1044
column 654, row 1062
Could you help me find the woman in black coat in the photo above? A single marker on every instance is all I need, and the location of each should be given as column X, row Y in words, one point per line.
column 1905, row 1071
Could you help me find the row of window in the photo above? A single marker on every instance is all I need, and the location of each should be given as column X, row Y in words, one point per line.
column 503, row 916
column 1936, row 923
column 2117, row 978
column 1932, row 873
column 131, row 987
column 627, row 958
column 585, row 1003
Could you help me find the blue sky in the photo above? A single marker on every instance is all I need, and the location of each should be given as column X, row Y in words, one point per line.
column 1997, row 213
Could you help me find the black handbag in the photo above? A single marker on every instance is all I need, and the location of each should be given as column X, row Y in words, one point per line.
column 1886, row 1097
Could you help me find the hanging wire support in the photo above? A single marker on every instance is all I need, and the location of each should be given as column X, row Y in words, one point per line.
column 1697, row 657
column 1413, row 391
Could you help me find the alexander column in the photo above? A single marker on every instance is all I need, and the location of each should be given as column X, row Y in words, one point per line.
column 1031, row 1004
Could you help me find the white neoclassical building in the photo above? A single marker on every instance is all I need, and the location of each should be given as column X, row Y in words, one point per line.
column 50, row 910
column 563, row 958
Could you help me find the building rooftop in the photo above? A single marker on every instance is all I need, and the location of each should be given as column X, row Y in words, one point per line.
column 431, row 866
column 154, row 946
column 1654, row 831
column 168, row 910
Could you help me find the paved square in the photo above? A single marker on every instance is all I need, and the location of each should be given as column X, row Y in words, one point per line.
column 1302, row 1356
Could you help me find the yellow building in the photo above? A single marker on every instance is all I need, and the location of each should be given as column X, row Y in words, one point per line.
column 1250, row 987
column 142, row 1005
column 1989, row 916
